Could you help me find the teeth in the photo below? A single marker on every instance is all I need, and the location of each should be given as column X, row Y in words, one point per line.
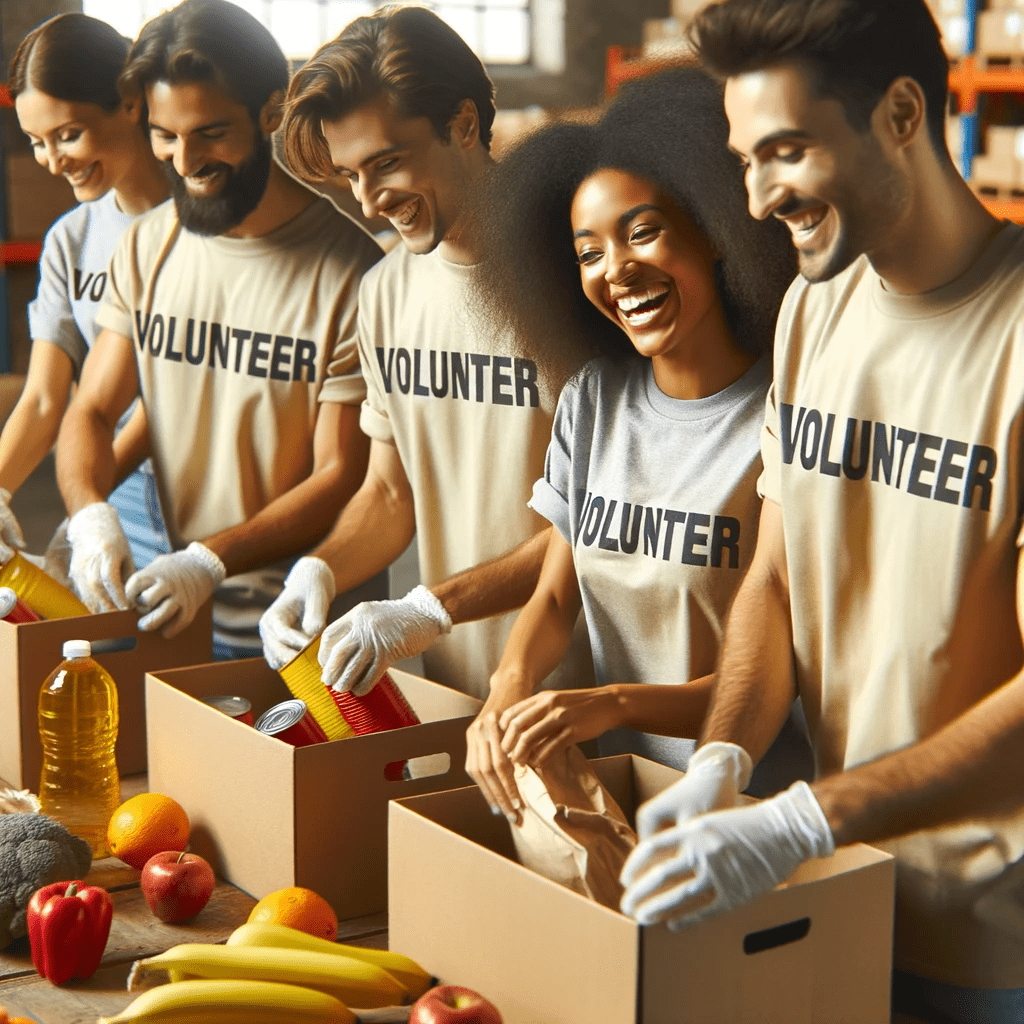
column 628, row 303
column 807, row 224
column 406, row 216
column 82, row 177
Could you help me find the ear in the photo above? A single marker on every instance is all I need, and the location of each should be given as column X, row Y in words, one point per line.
column 903, row 110
column 465, row 125
column 132, row 108
column 272, row 113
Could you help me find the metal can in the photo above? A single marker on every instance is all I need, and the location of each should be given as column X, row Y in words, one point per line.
column 13, row 609
column 233, row 707
column 291, row 721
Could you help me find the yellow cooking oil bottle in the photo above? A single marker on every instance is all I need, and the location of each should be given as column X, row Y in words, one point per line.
column 79, row 783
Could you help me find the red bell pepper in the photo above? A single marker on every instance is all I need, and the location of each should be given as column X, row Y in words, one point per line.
column 68, row 927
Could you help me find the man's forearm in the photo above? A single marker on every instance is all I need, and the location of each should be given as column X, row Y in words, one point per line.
column 131, row 445
column 496, row 586
column 85, row 457
column 970, row 767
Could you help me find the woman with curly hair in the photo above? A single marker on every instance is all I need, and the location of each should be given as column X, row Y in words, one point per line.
column 630, row 240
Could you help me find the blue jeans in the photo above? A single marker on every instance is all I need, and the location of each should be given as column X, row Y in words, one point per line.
column 937, row 1003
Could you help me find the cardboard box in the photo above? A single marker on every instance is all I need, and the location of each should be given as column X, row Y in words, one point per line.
column 815, row 951
column 268, row 815
column 30, row 651
column 1000, row 33
column 35, row 198
column 994, row 171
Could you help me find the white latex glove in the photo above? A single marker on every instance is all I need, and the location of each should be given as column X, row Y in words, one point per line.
column 100, row 558
column 172, row 588
column 57, row 558
column 362, row 645
column 716, row 775
column 721, row 860
column 299, row 613
column 11, row 536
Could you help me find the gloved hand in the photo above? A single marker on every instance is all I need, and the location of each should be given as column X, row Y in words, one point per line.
column 100, row 558
column 721, row 860
column 299, row 613
column 172, row 587
column 362, row 645
column 11, row 536
column 716, row 775
column 57, row 557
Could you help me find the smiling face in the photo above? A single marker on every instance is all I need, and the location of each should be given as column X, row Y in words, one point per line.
column 834, row 188
column 81, row 141
column 399, row 169
column 216, row 158
column 643, row 263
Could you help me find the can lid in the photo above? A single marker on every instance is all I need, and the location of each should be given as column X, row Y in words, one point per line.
column 281, row 716
column 8, row 599
column 77, row 648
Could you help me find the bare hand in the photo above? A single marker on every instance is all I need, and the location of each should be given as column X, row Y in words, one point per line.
column 549, row 722
column 489, row 766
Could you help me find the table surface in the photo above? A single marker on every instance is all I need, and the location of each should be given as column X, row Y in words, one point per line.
column 135, row 933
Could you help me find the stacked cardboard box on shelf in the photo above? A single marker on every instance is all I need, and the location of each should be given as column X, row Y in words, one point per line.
column 1001, row 166
column 1000, row 30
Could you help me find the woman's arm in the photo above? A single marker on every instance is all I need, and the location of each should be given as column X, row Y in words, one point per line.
column 31, row 429
column 537, row 643
column 131, row 446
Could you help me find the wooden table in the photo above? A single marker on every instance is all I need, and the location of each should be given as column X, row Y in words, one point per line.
column 135, row 933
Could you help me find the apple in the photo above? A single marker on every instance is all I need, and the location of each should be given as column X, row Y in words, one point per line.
column 453, row 1004
column 177, row 885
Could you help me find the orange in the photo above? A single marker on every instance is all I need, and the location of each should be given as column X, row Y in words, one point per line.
column 298, row 908
column 146, row 824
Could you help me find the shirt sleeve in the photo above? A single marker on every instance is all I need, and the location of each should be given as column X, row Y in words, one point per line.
column 344, row 381
column 373, row 416
column 115, row 312
column 50, row 316
column 768, row 483
column 552, row 493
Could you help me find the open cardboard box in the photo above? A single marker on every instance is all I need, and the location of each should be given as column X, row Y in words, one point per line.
column 268, row 815
column 817, row 950
column 30, row 651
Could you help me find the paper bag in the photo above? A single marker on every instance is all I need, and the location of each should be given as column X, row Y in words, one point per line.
column 572, row 832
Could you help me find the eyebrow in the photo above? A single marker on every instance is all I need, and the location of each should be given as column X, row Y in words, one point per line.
column 624, row 219
column 386, row 151
column 770, row 140
column 202, row 128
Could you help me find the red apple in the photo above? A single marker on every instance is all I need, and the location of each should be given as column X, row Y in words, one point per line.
column 453, row 1004
column 176, row 885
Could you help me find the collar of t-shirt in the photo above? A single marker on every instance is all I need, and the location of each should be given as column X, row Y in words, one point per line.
column 982, row 274
column 691, row 409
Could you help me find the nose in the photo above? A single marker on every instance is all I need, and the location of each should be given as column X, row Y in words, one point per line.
column 51, row 158
column 764, row 192
column 365, row 195
column 620, row 267
column 188, row 156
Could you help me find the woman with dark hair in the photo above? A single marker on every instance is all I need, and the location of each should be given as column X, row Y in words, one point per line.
column 63, row 78
column 631, row 239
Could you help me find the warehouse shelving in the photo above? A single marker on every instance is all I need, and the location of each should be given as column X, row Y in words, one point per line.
column 16, row 251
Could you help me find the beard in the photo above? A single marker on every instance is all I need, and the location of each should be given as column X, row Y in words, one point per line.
column 240, row 194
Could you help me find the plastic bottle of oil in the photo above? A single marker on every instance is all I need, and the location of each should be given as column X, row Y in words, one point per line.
column 78, row 726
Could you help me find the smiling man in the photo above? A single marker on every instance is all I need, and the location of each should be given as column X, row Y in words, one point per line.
column 459, row 418
column 887, row 586
column 232, row 310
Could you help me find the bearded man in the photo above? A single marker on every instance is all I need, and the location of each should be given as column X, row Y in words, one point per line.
column 231, row 310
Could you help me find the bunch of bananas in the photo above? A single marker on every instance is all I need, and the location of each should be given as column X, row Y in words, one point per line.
column 268, row 972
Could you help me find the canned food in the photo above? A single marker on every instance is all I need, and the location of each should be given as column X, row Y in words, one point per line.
column 233, row 707
column 291, row 721
column 13, row 609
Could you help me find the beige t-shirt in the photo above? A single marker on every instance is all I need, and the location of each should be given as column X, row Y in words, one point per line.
column 893, row 445
column 471, row 421
column 237, row 340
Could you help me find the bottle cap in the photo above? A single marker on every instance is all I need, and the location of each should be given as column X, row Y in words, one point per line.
column 8, row 599
column 77, row 648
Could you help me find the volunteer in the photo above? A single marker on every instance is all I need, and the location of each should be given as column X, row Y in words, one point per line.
column 640, row 244
column 63, row 79
column 458, row 417
column 232, row 310
column 887, row 584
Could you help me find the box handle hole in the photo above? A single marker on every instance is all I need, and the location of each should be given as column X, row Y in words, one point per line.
column 425, row 767
column 114, row 646
column 780, row 935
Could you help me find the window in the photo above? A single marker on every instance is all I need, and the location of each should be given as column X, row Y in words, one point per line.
column 500, row 31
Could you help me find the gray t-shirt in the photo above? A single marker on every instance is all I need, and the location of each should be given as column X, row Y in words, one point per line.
column 657, row 497
column 73, row 276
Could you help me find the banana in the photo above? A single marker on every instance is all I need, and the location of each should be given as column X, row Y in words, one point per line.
column 407, row 971
column 354, row 982
column 233, row 1002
